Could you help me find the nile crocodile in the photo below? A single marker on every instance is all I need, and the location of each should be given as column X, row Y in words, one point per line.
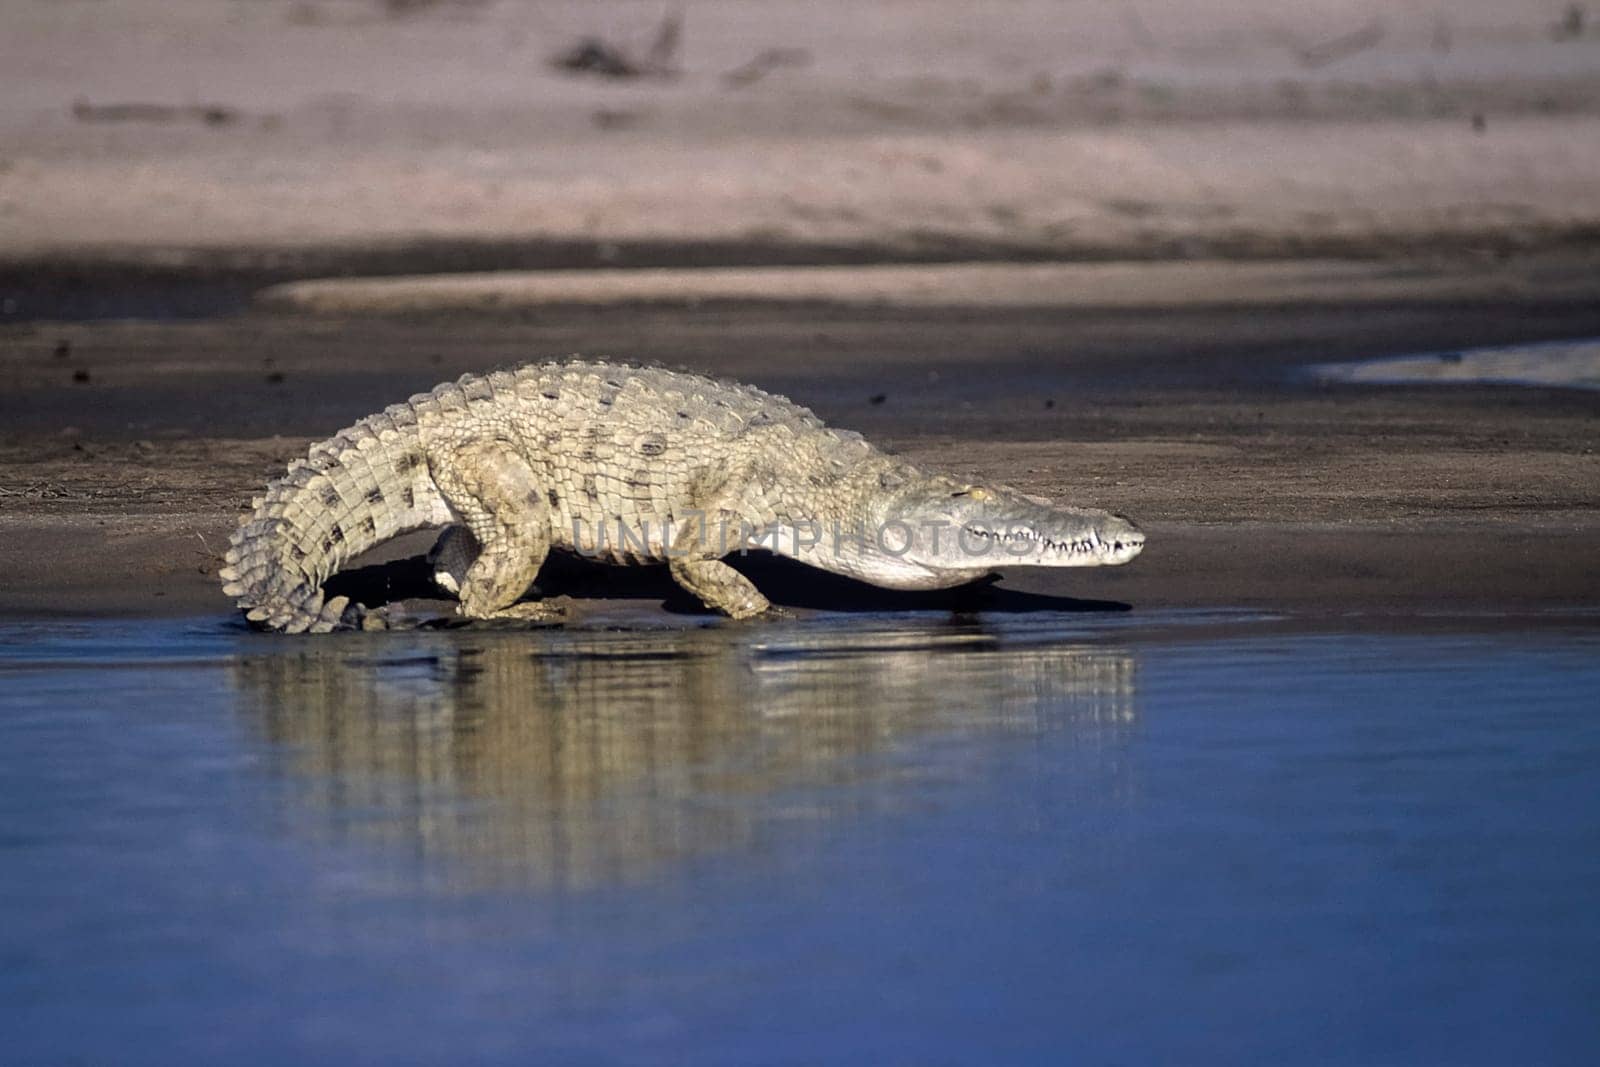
column 628, row 465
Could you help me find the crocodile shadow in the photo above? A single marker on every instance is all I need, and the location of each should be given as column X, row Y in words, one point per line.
column 785, row 582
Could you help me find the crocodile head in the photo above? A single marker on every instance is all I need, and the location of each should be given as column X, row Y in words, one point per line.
column 934, row 531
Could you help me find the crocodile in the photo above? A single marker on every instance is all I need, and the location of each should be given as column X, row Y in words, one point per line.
column 628, row 465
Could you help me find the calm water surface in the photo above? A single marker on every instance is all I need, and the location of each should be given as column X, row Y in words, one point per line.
column 909, row 840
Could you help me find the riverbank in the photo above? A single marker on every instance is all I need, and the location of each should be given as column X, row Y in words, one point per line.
column 130, row 446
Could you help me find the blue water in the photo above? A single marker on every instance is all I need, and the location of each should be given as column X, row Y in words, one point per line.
column 915, row 840
column 1571, row 364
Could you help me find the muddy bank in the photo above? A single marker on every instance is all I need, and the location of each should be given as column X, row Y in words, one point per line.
column 145, row 566
column 128, row 447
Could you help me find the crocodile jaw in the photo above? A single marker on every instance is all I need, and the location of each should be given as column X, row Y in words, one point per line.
column 937, row 532
column 1063, row 537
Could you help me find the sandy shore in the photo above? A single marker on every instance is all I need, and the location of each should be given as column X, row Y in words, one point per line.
column 995, row 286
column 163, row 129
column 163, row 161
column 129, row 446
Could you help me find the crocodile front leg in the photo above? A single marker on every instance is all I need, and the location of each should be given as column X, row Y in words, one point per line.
column 720, row 587
column 695, row 560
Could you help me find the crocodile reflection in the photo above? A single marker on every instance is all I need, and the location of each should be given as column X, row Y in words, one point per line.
column 585, row 758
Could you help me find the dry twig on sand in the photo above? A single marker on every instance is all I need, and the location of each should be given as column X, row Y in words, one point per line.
column 596, row 55
column 210, row 114
column 764, row 63
column 1343, row 46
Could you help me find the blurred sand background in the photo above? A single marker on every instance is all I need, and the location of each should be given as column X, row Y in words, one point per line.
column 1046, row 127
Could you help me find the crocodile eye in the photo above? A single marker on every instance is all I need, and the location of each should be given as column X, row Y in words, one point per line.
column 894, row 479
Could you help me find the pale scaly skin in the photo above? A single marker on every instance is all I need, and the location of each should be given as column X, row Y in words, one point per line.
column 674, row 467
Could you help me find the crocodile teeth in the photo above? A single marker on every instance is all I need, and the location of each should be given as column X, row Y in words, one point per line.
column 1084, row 545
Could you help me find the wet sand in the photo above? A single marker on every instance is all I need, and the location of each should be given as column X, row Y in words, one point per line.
column 129, row 447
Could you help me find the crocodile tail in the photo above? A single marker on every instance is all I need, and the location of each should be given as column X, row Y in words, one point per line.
column 357, row 489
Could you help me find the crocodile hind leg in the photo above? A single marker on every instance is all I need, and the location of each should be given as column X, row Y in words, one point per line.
column 450, row 557
column 506, row 530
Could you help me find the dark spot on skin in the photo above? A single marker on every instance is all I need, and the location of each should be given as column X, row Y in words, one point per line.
column 606, row 400
column 410, row 461
column 589, row 489
column 586, row 456
column 877, row 398
column 330, row 497
column 760, row 418
column 683, row 416
column 336, row 535
column 369, row 527
column 297, row 551
column 555, row 500
column 409, row 495
column 652, row 446
column 550, row 394
column 375, row 496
